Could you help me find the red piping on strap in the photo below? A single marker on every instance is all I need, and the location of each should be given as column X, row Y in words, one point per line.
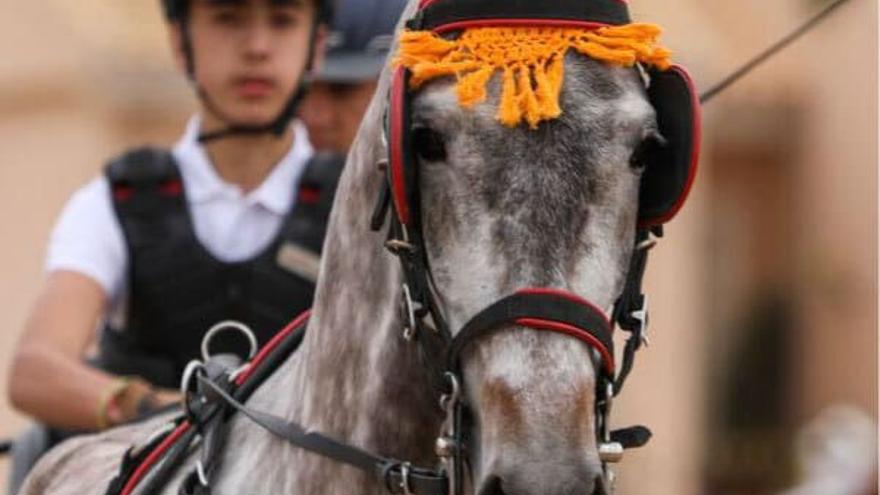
column 154, row 456
column 566, row 295
column 398, row 179
column 476, row 23
column 564, row 328
column 271, row 345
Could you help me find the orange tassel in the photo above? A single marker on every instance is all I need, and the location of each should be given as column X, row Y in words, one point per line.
column 532, row 60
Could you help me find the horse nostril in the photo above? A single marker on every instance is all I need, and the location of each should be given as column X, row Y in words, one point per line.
column 492, row 486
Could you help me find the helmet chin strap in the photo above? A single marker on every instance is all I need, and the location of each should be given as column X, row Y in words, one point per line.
column 276, row 127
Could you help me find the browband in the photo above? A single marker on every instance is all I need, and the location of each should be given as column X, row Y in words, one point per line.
column 443, row 15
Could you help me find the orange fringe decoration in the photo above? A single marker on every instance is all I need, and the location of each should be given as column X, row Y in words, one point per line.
column 532, row 60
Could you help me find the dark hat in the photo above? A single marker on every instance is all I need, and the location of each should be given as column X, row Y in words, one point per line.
column 176, row 10
column 361, row 35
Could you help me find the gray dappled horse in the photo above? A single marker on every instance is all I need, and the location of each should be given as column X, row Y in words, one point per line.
column 502, row 208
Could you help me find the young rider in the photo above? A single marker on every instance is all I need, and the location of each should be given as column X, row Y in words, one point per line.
column 226, row 226
column 357, row 47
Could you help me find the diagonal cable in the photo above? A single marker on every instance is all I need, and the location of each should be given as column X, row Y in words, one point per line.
column 770, row 52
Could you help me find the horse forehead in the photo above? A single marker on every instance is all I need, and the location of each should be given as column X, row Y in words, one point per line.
column 594, row 94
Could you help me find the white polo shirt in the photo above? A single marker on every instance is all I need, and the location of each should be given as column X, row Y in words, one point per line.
column 232, row 225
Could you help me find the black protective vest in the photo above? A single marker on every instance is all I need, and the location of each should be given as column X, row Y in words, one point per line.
column 178, row 290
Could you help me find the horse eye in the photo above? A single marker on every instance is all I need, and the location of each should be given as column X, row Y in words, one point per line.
column 429, row 145
column 652, row 144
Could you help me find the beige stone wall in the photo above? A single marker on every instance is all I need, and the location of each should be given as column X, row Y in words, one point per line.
column 81, row 80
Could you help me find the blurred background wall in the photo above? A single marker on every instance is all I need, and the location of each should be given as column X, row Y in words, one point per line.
column 764, row 293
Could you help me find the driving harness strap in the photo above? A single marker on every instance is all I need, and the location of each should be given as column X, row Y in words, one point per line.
column 398, row 477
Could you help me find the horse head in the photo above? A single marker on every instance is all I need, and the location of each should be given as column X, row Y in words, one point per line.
column 520, row 177
column 510, row 208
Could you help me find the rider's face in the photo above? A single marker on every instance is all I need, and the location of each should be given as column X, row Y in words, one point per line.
column 249, row 55
column 333, row 112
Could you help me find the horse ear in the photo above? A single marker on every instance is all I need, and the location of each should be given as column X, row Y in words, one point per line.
column 670, row 172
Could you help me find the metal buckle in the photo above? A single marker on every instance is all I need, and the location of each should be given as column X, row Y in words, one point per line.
column 399, row 247
column 446, row 445
column 647, row 244
column 232, row 325
column 609, row 452
column 641, row 316
column 409, row 313
column 405, row 469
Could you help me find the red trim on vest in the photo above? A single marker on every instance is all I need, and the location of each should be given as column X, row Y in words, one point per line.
column 154, row 456
column 477, row 23
column 566, row 295
column 309, row 195
column 172, row 187
column 398, row 179
column 573, row 331
column 695, row 152
column 122, row 193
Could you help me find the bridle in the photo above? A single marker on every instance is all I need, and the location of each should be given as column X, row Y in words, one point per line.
column 665, row 187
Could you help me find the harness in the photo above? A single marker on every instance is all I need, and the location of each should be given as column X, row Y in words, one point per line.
column 665, row 185
column 177, row 288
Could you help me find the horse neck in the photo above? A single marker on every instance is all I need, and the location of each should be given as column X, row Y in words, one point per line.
column 355, row 378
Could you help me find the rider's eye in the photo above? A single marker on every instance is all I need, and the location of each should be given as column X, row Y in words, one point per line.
column 227, row 17
column 281, row 20
column 429, row 145
column 650, row 145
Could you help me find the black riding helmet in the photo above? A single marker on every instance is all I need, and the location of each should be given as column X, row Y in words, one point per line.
column 177, row 11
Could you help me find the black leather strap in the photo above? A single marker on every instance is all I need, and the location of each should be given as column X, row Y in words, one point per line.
column 389, row 471
column 444, row 12
column 523, row 305
column 631, row 301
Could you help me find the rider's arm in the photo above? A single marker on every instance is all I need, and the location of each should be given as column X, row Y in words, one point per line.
column 49, row 379
column 87, row 266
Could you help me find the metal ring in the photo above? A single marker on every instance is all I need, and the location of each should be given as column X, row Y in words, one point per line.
column 229, row 324
column 453, row 382
column 448, row 401
column 194, row 367
column 189, row 372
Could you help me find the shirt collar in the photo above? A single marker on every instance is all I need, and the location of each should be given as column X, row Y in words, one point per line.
column 276, row 193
